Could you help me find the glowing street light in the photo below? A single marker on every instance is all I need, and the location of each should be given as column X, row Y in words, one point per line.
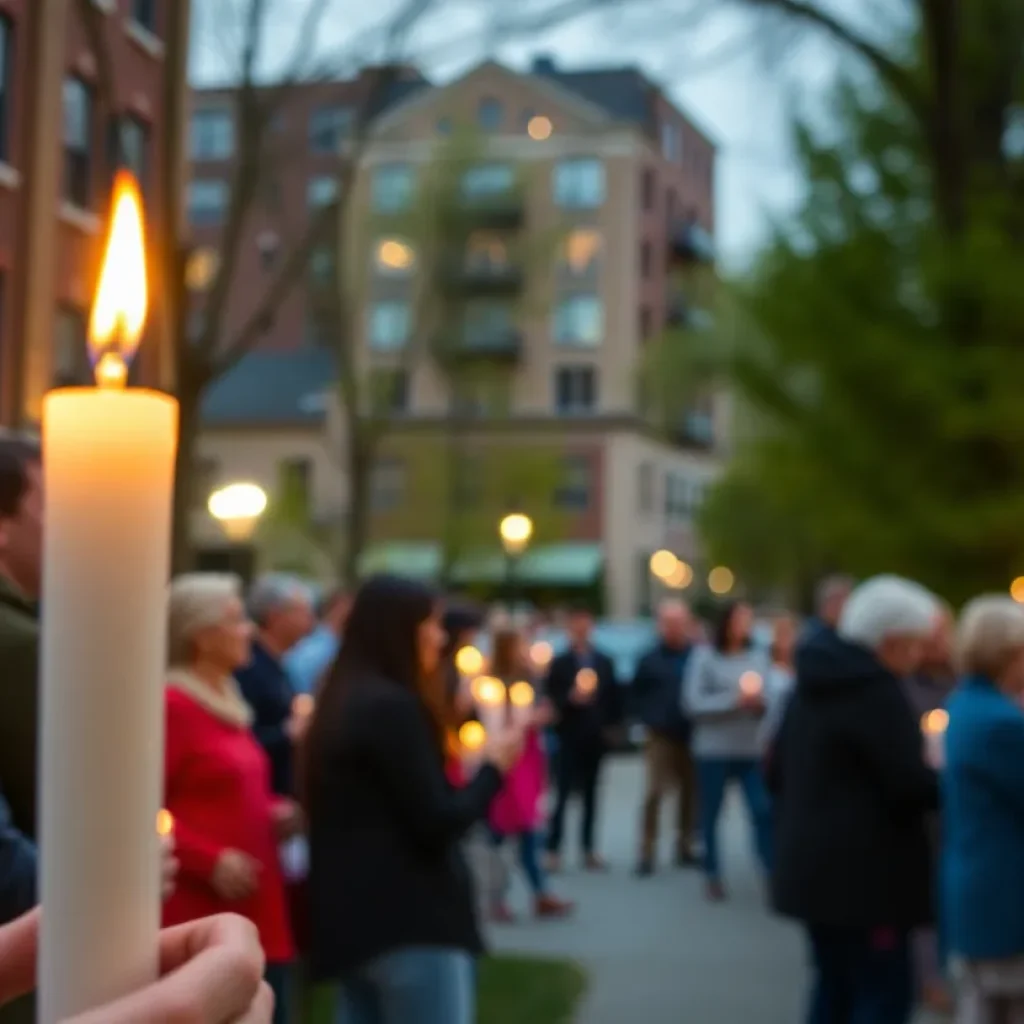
column 238, row 507
column 515, row 531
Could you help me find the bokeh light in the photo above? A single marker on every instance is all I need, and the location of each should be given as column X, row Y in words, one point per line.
column 663, row 563
column 539, row 128
column 721, row 580
column 469, row 661
column 1017, row 590
column 521, row 694
column 472, row 736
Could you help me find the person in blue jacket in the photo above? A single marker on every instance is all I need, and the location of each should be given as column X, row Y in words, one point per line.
column 983, row 823
column 18, row 866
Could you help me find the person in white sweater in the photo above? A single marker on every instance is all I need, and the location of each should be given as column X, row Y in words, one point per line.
column 725, row 696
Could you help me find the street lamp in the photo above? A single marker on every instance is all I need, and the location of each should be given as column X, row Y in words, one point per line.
column 238, row 507
column 515, row 530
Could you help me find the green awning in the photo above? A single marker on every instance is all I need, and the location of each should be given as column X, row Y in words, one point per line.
column 568, row 565
column 419, row 561
column 572, row 564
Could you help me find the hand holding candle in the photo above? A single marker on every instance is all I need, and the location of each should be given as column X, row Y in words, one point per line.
column 751, row 691
column 521, row 696
column 489, row 695
column 584, row 687
column 933, row 728
column 472, row 737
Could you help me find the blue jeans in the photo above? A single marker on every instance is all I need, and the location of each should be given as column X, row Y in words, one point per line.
column 411, row 986
column 714, row 774
column 529, row 858
column 860, row 977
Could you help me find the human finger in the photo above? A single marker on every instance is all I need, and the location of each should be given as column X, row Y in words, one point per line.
column 19, row 948
column 262, row 1009
column 181, row 944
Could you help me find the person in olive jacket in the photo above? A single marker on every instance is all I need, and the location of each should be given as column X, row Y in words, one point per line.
column 854, row 794
column 582, row 686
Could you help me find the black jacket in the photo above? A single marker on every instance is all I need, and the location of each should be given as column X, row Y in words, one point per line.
column 584, row 724
column 853, row 795
column 268, row 690
column 657, row 692
column 386, row 865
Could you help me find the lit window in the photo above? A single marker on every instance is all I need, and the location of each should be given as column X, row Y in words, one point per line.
column 212, row 134
column 579, row 184
column 582, row 250
column 579, row 321
column 390, row 323
column 392, row 188
column 394, row 257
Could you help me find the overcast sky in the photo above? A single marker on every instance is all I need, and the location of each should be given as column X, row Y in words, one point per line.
column 725, row 71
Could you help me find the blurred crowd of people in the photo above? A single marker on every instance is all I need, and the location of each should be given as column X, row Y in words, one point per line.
column 346, row 775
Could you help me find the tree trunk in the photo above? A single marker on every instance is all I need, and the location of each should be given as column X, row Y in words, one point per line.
column 359, row 457
column 190, row 391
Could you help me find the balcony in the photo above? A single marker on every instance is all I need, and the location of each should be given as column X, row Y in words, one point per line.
column 690, row 245
column 505, row 210
column 481, row 277
column 496, row 344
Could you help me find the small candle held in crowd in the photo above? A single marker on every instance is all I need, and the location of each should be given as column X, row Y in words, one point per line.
column 586, row 681
column 541, row 653
column 302, row 705
column 469, row 661
column 472, row 737
column 935, row 723
column 751, row 684
column 488, row 691
column 164, row 823
column 521, row 697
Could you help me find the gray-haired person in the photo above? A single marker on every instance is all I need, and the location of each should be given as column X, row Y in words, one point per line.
column 281, row 606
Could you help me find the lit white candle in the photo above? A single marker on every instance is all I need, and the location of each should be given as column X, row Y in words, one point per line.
column 586, row 683
column 933, row 727
column 472, row 737
column 490, row 697
column 521, row 696
column 108, row 471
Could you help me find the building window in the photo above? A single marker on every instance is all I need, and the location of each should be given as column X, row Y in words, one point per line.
column 490, row 115
column 579, row 321
column 579, row 184
column 646, row 259
column 321, row 191
column 144, row 14
column 212, row 134
column 575, row 390
column 129, row 146
column 577, row 483
column 329, row 127
column 683, row 497
column 78, row 142
column 295, row 485
column 207, row 202
column 6, row 83
column 390, row 323
column 70, row 353
column 394, row 258
column 582, row 251
column 671, row 141
column 484, row 320
column 648, row 189
column 392, row 188
column 645, row 488
column 486, row 251
column 387, row 484
column 488, row 180
column 390, row 391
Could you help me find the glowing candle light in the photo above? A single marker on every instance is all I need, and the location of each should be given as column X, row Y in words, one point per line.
column 489, row 695
column 586, row 682
column 108, row 471
column 751, row 684
column 933, row 727
column 164, row 823
column 541, row 653
column 521, row 696
column 472, row 737
column 469, row 661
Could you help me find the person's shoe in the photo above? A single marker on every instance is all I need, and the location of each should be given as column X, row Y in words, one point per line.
column 501, row 913
column 645, row 869
column 548, row 907
column 714, row 891
column 552, row 863
column 595, row 864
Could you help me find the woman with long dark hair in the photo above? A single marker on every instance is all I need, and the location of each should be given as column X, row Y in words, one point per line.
column 724, row 694
column 393, row 919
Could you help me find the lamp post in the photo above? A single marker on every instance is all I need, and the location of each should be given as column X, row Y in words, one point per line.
column 237, row 509
column 515, row 530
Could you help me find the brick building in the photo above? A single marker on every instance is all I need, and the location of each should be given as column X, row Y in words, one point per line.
column 93, row 136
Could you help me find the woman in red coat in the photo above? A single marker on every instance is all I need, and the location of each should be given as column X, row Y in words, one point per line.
column 227, row 821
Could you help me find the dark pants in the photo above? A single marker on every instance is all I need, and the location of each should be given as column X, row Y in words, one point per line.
column 715, row 775
column 670, row 769
column 578, row 768
column 861, row 977
column 529, row 858
column 279, row 978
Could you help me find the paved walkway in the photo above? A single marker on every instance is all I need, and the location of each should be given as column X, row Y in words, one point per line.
column 656, row 952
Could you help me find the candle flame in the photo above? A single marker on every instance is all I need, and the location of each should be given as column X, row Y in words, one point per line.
column 472, row 736
column 541, row 653
column 164, row 823
column 122, row 296
column 488, row 690
column 935, row 722
column 586, row 680
column 469, row 661
column 521, row 694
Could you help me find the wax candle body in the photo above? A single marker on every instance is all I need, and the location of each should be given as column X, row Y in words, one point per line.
column 108, row 467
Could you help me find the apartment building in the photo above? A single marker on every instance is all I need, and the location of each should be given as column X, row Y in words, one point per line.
column 543, row 362
column 94, row 137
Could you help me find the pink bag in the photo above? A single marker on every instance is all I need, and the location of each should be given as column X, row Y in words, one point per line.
column 519, row 807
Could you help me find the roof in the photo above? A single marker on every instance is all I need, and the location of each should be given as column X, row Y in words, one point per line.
column 279, row 388
column 625, row 93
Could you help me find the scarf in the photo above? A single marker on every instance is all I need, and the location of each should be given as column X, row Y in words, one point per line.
column 227, row 704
